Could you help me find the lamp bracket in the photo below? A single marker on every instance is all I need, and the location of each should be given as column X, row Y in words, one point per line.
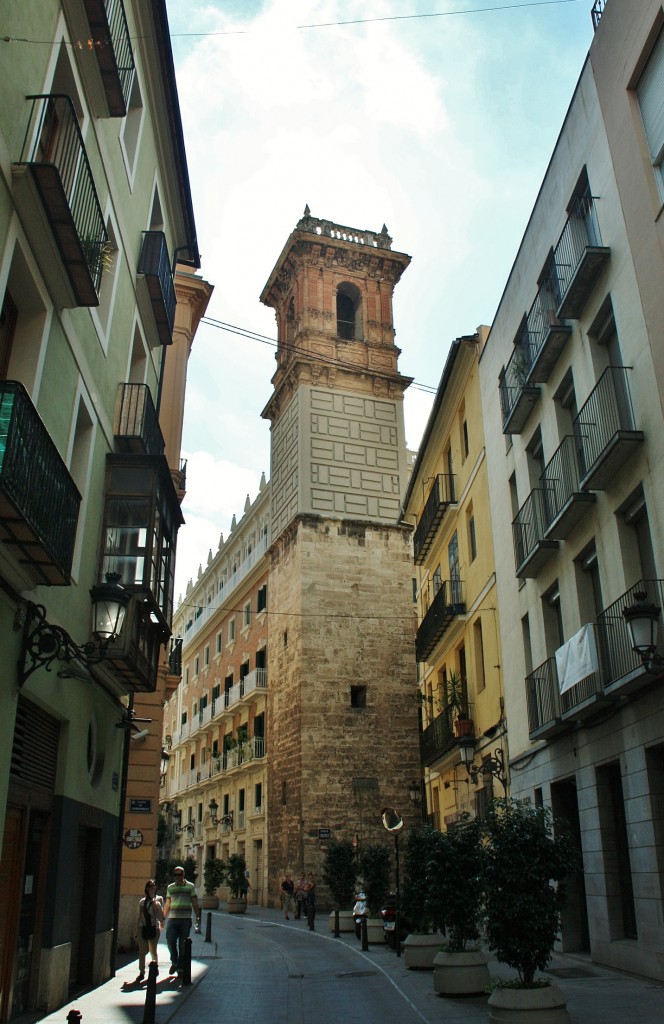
column 44, row 643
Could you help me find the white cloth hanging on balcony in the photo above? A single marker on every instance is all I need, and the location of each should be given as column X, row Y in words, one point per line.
column 577, row 659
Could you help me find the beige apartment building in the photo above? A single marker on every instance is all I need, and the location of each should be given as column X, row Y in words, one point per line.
column 463, row 740
column 571, row 380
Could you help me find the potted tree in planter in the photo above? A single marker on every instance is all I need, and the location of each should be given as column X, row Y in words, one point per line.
column 457, row 703
column 339, row 873
column 213, row 876
column 454, row 899
column 423, row 942
column 374, row 865
column 525, row 863
column 236, row 882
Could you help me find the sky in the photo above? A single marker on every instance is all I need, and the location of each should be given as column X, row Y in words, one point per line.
column 434, row 117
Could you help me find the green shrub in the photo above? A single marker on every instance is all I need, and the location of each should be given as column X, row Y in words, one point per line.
column 374, row 865
column 340, row 871
column 454, row 882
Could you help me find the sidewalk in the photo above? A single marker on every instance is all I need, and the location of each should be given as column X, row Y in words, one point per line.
column 595, row 994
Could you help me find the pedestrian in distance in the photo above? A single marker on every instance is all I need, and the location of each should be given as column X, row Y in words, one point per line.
column 150, row 922
column 245, row 885
column 300, row 895
column 311, row 900
column 181, row 899
column 287, row 899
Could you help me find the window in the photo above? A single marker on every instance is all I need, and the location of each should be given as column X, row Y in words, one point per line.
column 650, row 94
column 472, row 538
column 258, row 797
column 466, row 446
column 349, row 322
column 216, row 692
column 196, row 665
column 358, row 696
column 261, row 600
column 218, row 644
column 478, row 645
column 246, row 615
column 244, row 670
column 231, row 630
column 186, row 676
column 285, row 638
column 455, row 571
column 206, row 656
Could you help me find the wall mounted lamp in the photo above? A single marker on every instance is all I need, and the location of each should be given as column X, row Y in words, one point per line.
column 187, row 827
column 165, row 758
column 44, row 643
column 414, row 792
column 225, row 819
column 642, row 619
column 491, row 766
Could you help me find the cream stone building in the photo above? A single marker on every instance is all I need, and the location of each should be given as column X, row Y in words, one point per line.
column 457, row 645
column 571, row 381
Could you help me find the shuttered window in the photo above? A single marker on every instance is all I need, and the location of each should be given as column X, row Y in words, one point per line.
column 650, row 93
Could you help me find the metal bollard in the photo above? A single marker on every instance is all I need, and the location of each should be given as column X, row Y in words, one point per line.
column 186, row 966
column 365, row 935
column 74, row 1017
column 337, row 931
column 208, row 927
column 150, row 994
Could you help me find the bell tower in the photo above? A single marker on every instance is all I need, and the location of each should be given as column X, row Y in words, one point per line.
column 342, row 724
column 338, row 443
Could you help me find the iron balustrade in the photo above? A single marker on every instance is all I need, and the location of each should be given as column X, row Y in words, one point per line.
column 121, row 46
column 53, row 139
column 529, row 526
column 136, row 420
column 155, row 264
column 607, row 411
column 438, row 737
column 580, row 234
column 447, row 604
column 36, row 488
column 543, row 697
column 515, row 392
column 560, row 479
column 596, row 12
column 441, row 496
column 613, row 640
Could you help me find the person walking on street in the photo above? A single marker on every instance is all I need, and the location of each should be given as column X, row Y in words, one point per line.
column 287, row 889
column 181, row 899
column 300, row 895
column 150, row 922
column 311, row 900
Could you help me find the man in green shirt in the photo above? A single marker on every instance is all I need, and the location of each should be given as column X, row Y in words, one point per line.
column 181, row 899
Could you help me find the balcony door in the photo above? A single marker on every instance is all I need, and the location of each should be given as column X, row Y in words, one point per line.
column 455, row 573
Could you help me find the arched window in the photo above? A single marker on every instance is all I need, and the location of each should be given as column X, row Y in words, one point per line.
column 349, row 311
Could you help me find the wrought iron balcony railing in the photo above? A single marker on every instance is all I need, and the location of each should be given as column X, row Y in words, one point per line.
column 39, row 501
column 620, row 670
column 54, row 152
column 155, row 265
column 447, row 604
column 441, row 496
column 110, row 32
column 531, row 548
column 438, row 738
column 596, row 12
column 605, row 428
column 564, row 503
column 136, row 425
column 544, row 336
column 517, row 396
column 578, row 258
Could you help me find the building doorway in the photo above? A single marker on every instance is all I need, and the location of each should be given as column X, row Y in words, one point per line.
column 574, row 918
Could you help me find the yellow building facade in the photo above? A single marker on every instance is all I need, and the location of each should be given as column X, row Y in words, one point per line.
column 463, row 738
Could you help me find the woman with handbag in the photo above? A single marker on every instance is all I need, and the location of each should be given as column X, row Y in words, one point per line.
column 150, row 922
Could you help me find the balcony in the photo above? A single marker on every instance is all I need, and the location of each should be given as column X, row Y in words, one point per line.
column 447, row 605
column 531, row 548
column 565, row 504
column 58, row 203
column 441, row 496
column 438, row 738
column 39, row 502
column 517, row 396
column 544, row 336
column 226, row 589
column 596, row 12
column 155, row 268
column 605, row 429
column 620, row 671
column 255, row 682
column 136, row 427
column 108, row 23
column 579, row 258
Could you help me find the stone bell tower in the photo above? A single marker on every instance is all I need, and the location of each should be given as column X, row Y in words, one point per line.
column 342, row 708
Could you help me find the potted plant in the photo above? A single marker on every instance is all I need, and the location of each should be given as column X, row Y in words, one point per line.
column 339, row 873
column 454, row 900
column 374, row 865
column 213, row 876
column 422, row 943
column 526, row 859
column 236, row 881
column 457, row 704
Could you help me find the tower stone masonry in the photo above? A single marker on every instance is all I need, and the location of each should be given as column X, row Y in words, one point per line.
column 342, row 712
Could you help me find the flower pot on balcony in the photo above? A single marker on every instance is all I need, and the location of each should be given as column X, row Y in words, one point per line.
column 463, row 727
column 528, row 1005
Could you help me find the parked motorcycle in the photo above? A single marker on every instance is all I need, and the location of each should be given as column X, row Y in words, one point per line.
column 389, row 916
column 360, row 912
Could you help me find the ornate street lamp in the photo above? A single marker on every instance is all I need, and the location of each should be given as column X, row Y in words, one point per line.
column 491, row 766
column 642, row 619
